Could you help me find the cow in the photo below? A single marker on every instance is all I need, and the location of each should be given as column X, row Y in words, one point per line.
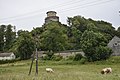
column 106, row 70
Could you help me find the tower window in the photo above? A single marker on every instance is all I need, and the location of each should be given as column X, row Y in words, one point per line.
column 115, row 44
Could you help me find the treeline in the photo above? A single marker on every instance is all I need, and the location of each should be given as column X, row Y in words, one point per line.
column 7, row 37
column 80, row 33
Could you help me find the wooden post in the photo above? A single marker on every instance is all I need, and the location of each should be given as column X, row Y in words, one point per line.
column 31, row 64
column 36, row 52
column 36, row 60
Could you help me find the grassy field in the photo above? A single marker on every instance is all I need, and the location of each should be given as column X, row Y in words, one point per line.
column 63, row 70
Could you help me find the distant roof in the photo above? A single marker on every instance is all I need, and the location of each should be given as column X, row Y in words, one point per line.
column 51, row 12
column 5, row 54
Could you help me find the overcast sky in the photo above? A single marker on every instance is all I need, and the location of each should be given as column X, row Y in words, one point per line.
column 26, row 14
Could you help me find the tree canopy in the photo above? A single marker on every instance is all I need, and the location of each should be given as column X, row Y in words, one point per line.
column 54, row 37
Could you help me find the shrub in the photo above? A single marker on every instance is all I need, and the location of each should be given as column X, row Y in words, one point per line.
column 77, row 57
column 103, row 53
column 49, row 55
column 7, row 61
column 83, row 60
column 57, row 57
column 70, row 57
column 45, row 57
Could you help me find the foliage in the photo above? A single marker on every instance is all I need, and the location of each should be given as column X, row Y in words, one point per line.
column 78, row 22
column 78, row 57
column 118, row 29
column 2, row 34
column 45, row 57
column 7, row 37
column 92, row 27
column 75, row 37
column 103, row 52
column 8, row 61
column 83, row 60
column 57, row 57
column 91, row 42
column 36, row 35
column 53, row 38
column 89, row 35
column 118, row 32
column 37, row 30
column 71, row 57
column 49, row 54
column 24, row 45
column 105, row 28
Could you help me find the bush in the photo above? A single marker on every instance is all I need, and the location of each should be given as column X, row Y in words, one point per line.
column 49, row 55
column 98, row 53
column 70, row 57
column 57, row 57
column 83, row 60
column 77, row 57
column 45, row 57
column 103, row 53
column 7, row 61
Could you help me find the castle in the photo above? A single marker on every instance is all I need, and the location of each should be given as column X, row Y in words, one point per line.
column 51, row 16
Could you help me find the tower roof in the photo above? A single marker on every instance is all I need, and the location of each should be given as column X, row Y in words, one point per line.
column 51, row 12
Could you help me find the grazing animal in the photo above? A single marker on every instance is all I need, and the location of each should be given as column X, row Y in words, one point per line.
column 50, row 70
column 106, row 70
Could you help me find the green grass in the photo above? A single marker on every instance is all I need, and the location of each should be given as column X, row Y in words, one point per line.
column 63, row 70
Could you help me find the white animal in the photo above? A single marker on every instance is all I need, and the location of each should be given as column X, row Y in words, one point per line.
column 106, row 70
column 49, row 70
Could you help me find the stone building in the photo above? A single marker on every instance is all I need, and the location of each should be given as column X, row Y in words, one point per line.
column 114, row 44
column 64, row 54
column 51, row 16
column 68, row 53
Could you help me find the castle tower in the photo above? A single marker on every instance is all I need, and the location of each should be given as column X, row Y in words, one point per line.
column 51, row 16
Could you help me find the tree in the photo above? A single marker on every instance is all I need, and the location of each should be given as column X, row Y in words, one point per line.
column 75, row 37
column 118, row 29
column 106, row 29
column 91, row 42
column 9, row 37
column 53, row 38
column 36, row 33
column 118, row 32
column 78, row 22
column 24, row 46
column 91, row 27
column 2, row 36
column 103, row 52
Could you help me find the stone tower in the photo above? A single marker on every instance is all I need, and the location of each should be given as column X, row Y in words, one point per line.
column 51, row 16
